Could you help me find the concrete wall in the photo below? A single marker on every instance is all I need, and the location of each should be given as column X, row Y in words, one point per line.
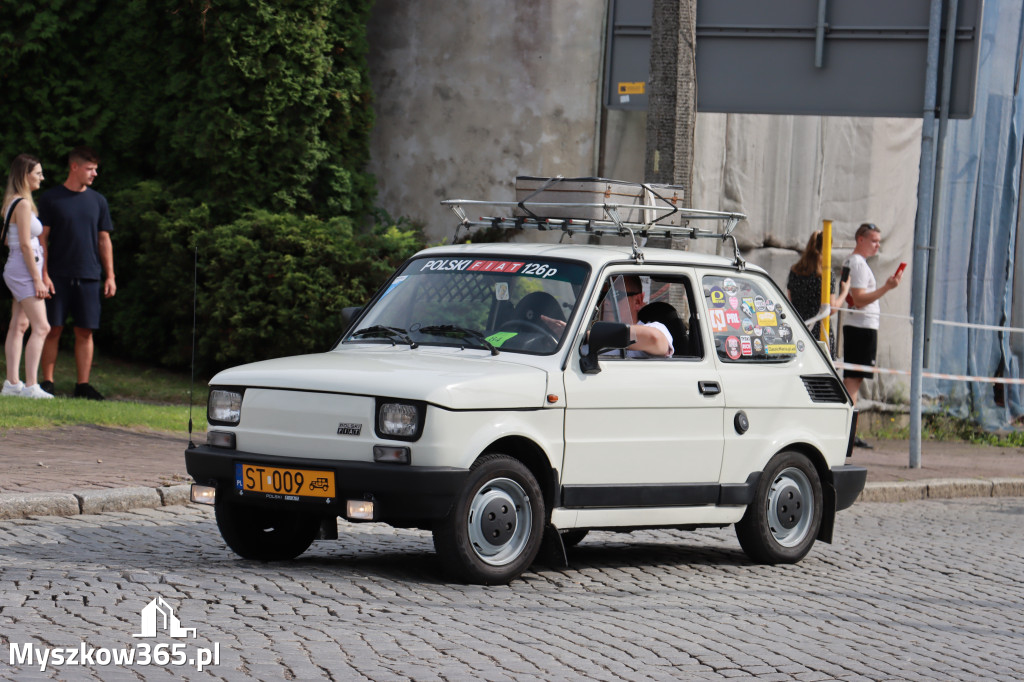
column 469, row 94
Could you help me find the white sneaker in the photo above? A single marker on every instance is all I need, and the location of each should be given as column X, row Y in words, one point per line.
column 12, row 389
column 35, row 391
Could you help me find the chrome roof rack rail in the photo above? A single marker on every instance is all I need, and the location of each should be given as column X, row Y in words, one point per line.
column 611, row 225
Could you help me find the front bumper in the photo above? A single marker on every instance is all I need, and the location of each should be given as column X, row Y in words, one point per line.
column 401, row 493
column 849, row 481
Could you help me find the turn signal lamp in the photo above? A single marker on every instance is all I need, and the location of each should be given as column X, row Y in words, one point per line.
column 220, row 439
column 359, row 510
column 386, row 453
column 203, row 494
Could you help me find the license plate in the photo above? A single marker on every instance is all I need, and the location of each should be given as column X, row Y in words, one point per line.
column 260, row 478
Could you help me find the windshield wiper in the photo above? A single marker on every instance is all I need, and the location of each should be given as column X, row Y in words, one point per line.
column 454, row 328
column 391, row 333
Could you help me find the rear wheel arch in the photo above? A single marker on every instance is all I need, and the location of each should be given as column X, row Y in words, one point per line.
column 783, row 520
column 828, row 489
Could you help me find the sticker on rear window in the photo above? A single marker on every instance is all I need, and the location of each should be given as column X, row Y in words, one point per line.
column 745, row 320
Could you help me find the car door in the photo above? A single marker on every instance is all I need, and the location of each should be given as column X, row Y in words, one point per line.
column 645, row 431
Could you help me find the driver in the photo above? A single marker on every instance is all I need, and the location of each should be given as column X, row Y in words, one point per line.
column 648, row 339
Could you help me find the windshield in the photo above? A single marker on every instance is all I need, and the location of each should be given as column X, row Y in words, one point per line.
column 495, row 303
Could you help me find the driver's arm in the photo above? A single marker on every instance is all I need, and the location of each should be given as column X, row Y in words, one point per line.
column 650, row 340
column 556, row 326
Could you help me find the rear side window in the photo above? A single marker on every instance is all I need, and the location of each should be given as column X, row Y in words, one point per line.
column 747, row 322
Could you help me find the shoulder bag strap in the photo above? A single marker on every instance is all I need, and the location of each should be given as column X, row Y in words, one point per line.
column 7, row 219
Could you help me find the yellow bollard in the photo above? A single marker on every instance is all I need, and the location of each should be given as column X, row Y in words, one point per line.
column 826, row 274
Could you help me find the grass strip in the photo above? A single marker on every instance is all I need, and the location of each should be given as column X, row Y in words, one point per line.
column 23, row 413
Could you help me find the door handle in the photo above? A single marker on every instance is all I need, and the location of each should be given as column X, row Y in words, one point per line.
column 709, row 387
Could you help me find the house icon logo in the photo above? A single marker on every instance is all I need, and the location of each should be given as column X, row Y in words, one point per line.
column 158, row 615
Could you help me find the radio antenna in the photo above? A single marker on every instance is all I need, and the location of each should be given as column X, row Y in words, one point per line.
column 192, row 385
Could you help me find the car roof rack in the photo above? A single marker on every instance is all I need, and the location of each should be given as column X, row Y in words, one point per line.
column 656, row 217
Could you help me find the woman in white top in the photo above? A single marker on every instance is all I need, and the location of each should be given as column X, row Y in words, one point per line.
column 23, row 274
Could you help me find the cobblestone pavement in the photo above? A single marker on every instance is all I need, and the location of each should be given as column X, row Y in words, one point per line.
column 924, row 591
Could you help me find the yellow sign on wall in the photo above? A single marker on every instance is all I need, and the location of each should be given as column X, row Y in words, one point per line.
column 631, row 88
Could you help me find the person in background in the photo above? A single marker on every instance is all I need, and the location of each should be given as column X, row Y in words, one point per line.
column 860, row 328
column 23, row 275
column 804, row 287
column 79, row 266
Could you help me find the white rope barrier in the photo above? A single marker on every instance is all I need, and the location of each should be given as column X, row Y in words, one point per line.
column 947, row 323
column 991, row 327
column 988, row 327
column 827, row 310
column 933, row 375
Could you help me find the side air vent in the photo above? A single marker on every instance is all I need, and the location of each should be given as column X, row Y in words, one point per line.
column 824, row 388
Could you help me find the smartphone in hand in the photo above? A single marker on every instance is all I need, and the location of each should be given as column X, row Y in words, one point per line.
column 900, row 269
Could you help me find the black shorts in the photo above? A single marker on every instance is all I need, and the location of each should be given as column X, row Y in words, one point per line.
column 860, row 346
column 79, row 298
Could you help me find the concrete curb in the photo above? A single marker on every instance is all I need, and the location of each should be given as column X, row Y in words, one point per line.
column 23, row 505
column 27, row 505
column 941, row 489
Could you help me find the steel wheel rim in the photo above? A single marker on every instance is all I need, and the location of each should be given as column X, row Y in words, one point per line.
column 500, row 521
column 790, row 507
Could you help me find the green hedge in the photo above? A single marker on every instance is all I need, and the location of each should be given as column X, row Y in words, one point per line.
column 269, row 284
column 240, row 104
column 150, row 318
column 275, row 284
column 240, row 127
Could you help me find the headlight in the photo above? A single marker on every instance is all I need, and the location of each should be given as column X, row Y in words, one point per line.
column 224, row 407
column 401, row 421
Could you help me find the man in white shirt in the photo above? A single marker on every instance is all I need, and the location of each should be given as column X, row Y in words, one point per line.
column 650, row 339
column 647, row 339
column 860, row 327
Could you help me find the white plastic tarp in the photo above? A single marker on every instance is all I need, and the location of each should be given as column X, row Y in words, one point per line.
column 978, row 276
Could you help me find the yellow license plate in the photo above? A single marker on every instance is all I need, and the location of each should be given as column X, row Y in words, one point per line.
column 260, row 478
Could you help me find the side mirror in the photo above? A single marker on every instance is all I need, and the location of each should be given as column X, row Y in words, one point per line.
column 603, row 336
column 348, row 315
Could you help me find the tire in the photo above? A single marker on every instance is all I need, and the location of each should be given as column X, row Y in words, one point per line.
column 495, row 528
column 782, row 522
column 573, row 537
column 266, row 534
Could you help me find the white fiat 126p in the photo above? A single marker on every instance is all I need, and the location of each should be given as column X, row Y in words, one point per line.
column 493, row 395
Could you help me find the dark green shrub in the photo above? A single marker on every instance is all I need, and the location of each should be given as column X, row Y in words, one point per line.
column 212, row 120
column 279, row 106
column 150, row 318
column 269, row 284
column 239, row 104
column 272, row 285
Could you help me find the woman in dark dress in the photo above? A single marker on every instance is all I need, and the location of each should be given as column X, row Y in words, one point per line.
column 804, row 287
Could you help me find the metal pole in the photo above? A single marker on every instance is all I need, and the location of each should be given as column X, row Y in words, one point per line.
column 947, row 86
column 922, row 227
column 819, row 35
